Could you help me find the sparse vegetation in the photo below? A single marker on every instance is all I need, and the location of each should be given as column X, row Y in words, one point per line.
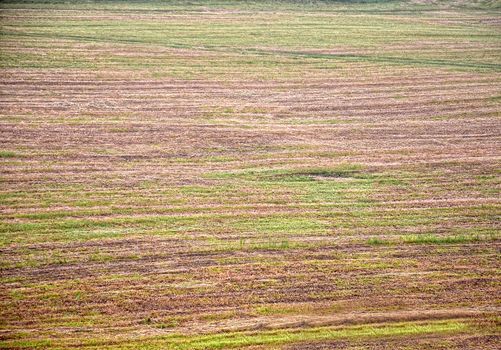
column 249, row 174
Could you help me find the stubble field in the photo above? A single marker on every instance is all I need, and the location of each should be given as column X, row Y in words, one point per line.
column 250, row 174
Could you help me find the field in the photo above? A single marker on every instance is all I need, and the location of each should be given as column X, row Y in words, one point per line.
column 250, row 174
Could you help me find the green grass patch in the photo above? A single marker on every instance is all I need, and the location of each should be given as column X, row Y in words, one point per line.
column 284, row 336
column 267, row 245
column 435, row 239
column 277, row 224
column 8, row 154
column 271, row 310
column 377, row 241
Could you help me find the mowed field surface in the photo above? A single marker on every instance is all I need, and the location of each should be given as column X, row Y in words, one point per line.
column 255, row 175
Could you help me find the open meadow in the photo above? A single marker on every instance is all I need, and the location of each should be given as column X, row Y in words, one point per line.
column 250, row 174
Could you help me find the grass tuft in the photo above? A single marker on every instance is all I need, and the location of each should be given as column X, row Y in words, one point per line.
column 377, row 241
column 8, row 154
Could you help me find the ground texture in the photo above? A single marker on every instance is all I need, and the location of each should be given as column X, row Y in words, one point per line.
column 258, row 175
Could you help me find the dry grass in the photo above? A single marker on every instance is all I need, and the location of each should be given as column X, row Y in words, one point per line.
column 249, row 174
